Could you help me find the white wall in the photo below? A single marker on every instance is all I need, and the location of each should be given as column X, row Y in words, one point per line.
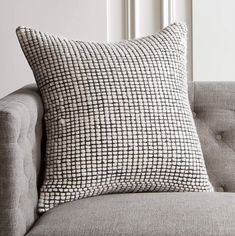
column 143, row 17
column 214, row 40
column 77, row 19
column 183, row 13
column 107, row 20
column 148, row 17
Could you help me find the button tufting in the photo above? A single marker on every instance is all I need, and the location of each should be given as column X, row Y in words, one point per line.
column 194, row 114
column 218, row 137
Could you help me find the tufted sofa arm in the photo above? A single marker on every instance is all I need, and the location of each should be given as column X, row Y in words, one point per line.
column 20, row 153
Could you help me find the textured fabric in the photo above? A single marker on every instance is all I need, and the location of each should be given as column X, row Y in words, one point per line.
column 213, row 105
column 146, row 214
column 117, row 116
column 20, row 155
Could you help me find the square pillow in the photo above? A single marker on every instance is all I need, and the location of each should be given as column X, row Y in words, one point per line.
column 117, row 116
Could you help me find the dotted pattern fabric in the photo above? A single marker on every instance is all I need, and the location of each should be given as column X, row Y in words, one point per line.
column 117, row 116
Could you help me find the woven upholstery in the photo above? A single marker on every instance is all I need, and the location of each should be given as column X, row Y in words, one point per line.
column 117, row 116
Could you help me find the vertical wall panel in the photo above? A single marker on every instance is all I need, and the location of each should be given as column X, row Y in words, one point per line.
column 214, row 40
column 116, row 20
column 183, row 13
column 147, row 17
column 144, row 18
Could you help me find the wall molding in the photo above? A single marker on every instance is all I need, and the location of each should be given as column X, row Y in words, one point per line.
column 133, row 12
column 168, row 12
column 128, row 9
column 129, row 19
column 107, row 21
column 167, row 16
column 192, row 42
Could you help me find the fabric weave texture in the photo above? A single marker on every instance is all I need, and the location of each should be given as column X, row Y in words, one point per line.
column 117, row 116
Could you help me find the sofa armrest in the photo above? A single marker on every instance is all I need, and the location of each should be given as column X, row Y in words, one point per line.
column 20, row 153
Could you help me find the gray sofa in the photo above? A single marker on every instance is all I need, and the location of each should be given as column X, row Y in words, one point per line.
column 22, row 143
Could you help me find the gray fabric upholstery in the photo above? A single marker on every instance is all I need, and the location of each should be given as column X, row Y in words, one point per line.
column 146, row 214
column 20, row 125
column 213, row 104
column 20, row 138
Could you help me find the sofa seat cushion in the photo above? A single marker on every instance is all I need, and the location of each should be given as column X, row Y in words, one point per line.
column 142, row 214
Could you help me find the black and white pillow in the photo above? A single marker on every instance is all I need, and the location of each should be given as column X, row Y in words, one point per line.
column 117, row 116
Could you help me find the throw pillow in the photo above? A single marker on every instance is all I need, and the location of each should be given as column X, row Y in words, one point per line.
column 117, row 116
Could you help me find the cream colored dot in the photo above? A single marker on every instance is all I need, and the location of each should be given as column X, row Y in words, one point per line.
column 62, row 122
column 76, row 89
column 218, row 137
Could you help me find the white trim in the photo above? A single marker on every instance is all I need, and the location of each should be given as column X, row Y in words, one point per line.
column 127, row 19
column 168, row 12
column 164, row 13
column 192, row 41
column 172, row 12
column 107, row 19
